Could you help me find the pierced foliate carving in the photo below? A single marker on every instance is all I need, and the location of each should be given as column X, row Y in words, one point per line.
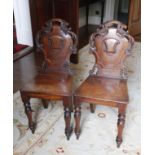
column 111, row 44
column 57, row 43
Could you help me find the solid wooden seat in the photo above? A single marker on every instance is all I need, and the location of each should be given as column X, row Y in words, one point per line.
column 50, row 84
column 104, row 89
column 107, row 81
column 54, row 81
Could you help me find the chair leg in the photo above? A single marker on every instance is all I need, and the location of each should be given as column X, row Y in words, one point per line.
column 67, row 116
column 92, row 108
column 45, row 103
column 77, row 116
column 28, row 111
column 71, row 105
column 120, row 123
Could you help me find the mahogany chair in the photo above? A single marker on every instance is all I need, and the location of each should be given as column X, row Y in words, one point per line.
column 107, row 81
column 54, row 81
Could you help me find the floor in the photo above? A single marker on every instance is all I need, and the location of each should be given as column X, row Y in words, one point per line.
column 98, row 129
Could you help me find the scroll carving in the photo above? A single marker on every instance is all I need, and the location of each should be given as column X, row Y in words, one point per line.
column 57, row 42
column 111, row 44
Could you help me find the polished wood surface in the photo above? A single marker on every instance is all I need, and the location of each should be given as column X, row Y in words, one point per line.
column 27, row 67
column 107, row 82
column 69, row 11
column 58, row 84
column 54, row 80
column 57, row 44
column 134, row 20
column 104, row 89
column 111, row 46
column 43, row 10
column 40, row 11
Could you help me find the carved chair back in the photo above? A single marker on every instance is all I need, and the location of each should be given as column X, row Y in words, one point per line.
column 57, row 42
column 111, row 44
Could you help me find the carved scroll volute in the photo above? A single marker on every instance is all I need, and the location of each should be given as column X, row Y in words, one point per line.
column 111, row 45
column 57, row 43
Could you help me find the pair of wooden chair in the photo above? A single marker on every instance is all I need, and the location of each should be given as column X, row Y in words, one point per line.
column 106, row 84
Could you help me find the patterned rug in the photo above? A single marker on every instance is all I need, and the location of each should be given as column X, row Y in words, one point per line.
column 99, row 130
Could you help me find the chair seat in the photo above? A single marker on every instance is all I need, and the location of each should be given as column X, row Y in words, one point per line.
column 50, row 84
column 105, row 89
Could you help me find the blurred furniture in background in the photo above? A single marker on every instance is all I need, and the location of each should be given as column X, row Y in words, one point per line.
column 86, row 3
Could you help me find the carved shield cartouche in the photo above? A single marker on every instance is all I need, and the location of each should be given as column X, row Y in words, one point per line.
column 111, row 44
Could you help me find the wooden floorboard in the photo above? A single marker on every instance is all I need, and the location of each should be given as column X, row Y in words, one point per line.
column 25, row 69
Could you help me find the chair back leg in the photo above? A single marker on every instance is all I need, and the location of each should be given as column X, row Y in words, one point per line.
column 67, row 101
column 120, row 123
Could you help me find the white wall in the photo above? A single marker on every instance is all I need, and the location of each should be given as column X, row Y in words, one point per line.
column 23, row 22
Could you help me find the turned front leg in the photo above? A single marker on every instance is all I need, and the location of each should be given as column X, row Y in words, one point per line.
column 77, row 116
column 67, row 116
column 28, row 111
column 120, row 123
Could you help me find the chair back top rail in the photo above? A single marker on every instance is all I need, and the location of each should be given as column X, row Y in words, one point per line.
column 57, row 42
column 111, row 44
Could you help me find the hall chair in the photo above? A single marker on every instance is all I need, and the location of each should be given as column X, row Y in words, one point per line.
column 54, row 81
column 107, row 81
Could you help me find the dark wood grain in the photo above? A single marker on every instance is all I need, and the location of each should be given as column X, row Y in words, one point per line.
column 54, row 80
column 68, row 10
column 26, row 68
column 134, row 20
column 43, row 10
column 107, row 82
column 40, row 11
